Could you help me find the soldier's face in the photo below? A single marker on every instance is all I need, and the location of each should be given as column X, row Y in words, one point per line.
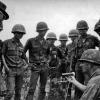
column 63, row 42
column 42, row 33
column 51, row 41
column 74, row 38
column 86, row 68
column 1, row 21
column 82, row 31
column 18, row 35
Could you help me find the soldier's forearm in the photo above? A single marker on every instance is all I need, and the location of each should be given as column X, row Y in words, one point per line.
column 4, row 62
column 79, row 85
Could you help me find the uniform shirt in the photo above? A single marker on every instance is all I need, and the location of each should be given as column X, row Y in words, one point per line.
column 37, row 50
column 64, row 60
column 13, row 53
column 64, row 51
column 92, row 91
column 1, row 63
column 89, row 42
column 72, row 55
column 54, row 55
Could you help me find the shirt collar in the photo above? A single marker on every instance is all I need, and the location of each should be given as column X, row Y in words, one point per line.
column 96, row 73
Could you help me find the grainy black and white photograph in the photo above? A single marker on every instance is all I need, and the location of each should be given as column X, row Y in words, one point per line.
column 49, row 50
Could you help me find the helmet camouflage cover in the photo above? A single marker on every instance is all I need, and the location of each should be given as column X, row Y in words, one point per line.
column 91, row 55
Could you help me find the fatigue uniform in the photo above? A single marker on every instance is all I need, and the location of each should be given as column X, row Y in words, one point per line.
column 64, row 51
column 15, row 59
column 72, row 56
column 2, row 87
column 54, row 55
column 92, row 91
column 88, row 42
column 37, row 57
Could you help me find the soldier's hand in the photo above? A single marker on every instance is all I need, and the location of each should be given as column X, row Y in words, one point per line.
column 71, row 79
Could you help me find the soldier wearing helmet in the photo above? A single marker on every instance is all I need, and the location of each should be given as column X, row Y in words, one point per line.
column 72, row 48
column 37, row 48
column 52, row 51
column 90, row 63
column 54, row 56
column 97, row 28
column 15, row 62
column 86, row 41
column 3, row 16
column 63, row 48
column 72, row 54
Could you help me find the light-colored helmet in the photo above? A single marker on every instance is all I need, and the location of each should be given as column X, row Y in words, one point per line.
column 51, row 35
column 19, row 28
column 73, row 33
column 63, row 37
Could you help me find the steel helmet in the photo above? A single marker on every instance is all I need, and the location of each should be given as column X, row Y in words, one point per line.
column 97, row 27
column 91, row 55
column 51, row 35
column 63, row 37
column 73, row 33
column 41, row 26
column 19, row 28
column 82, row 25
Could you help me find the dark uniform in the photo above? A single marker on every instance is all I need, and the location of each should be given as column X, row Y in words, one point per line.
column 92, row 91
column 54, row 55
column 3, row 16
column 64, row 52
column 72, row 56
column 91, row 58
column 14, row 60
column 54, row 74
column 37, row 57
column 86, row 41
column 72, row 53
column 14, row 57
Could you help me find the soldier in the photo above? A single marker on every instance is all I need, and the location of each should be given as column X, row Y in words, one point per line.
column 54, row 56
column 3, row 16
column 90, row 63
column 72, row 54
column 86, row 41
column 63, row 48
column 72, row 49
column 97, row 28
column 14, row 61
column 37, row 58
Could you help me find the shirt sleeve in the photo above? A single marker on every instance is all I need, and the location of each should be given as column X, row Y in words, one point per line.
column 90, row 92
column 27, row 46
column 4, row 48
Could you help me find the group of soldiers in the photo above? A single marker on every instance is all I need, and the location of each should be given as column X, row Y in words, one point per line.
column 50, row 62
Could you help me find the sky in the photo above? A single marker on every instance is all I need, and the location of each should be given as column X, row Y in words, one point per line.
column 60, row 15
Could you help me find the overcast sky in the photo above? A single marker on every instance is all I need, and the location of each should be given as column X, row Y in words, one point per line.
column 60, row 15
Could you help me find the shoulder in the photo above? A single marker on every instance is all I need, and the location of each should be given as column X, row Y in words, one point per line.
column 7, row 41
column 89, row 36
